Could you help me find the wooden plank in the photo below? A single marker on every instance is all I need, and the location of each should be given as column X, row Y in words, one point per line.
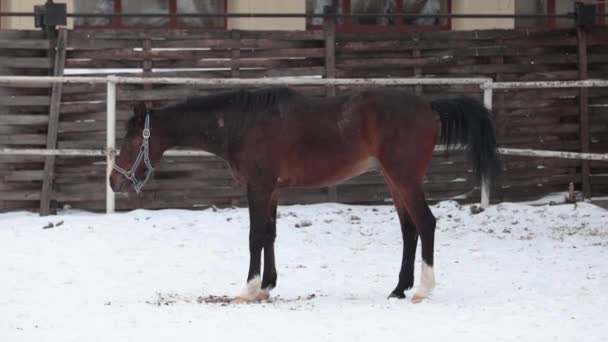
column 54, row 110
column 200, row 63
column 402, row 62
column 284, row 35
column 21, row 34
column 33, row 44
column 23, row 139
column 25, row 62
column 184, row 54
column 24, row 101
column 81, row 43
column 261, row 43
column 23, row 119
column 130, row 54
column 21, row 176
column 435, row 44
column 472, row 35
column 20, row 195
column 148, row 33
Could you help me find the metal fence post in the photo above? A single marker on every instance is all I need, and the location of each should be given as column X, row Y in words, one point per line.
column 110, row 140
column 487, row 101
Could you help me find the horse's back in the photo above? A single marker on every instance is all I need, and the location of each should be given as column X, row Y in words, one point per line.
column 328, row 140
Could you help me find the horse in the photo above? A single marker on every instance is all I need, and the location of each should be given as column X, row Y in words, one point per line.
column 275, row 138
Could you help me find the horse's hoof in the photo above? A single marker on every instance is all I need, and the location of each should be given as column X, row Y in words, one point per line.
column 262, row 295
column 253, row 292
column 239, row 300
column 417, row 299
column 259, row 297
column 398, row 295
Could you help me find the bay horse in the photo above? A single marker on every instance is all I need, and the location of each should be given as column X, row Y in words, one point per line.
column 275, row 138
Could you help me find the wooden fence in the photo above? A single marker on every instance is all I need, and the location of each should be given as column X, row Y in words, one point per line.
column 73, row 115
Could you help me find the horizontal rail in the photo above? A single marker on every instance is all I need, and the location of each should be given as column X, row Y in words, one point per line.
column 6, row 80
column 199, row 153
column 52, row 152
column 546, row 84
column 89, row 152
column 553, row 154
column 484, row 83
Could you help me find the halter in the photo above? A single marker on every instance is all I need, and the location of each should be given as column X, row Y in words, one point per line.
column 144, row 153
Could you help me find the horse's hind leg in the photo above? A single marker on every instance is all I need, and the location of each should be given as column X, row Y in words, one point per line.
column 410, row 241
column 425, row 224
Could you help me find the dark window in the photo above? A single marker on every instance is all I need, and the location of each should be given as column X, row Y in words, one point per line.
column 171, row 7
column 549, row 7
column 388, row 7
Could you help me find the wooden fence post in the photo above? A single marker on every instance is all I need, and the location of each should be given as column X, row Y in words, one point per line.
column 48, row 175
column 329, row 30
column 583, row 103
column 235, row 72
column 416, row 53
column 235, row 54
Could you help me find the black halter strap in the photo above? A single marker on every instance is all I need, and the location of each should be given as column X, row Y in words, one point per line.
column 144, row 154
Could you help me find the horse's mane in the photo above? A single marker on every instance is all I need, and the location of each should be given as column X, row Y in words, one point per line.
column 247, row 100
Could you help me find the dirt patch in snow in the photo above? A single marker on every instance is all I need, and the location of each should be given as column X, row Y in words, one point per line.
column 169, row 299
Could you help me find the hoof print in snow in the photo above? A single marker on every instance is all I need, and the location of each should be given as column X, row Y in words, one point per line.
column 304, row 223
column 476, row 210
column 52, row 225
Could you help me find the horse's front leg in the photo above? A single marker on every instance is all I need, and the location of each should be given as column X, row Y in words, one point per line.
column 260, row 198
column 269, row 281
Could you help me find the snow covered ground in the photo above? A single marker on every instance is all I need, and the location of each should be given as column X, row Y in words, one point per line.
column 511, row 273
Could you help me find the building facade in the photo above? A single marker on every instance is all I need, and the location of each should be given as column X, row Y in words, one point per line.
column 387, row 23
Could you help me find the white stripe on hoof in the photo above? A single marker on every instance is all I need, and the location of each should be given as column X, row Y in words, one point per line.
column 252, row 292
column 427, row 283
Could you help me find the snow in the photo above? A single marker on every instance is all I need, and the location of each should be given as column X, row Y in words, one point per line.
column 510, row 273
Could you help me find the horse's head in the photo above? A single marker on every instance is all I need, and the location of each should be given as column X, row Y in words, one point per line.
column 142, row 148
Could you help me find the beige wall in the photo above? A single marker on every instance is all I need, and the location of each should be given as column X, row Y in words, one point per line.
column 289, row 6
column 481, row 7
column 267, row 6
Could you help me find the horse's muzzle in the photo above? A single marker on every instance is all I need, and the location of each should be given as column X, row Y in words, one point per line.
column 119, row 183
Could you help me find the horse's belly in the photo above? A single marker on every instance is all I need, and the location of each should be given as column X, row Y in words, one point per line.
column 325, row 173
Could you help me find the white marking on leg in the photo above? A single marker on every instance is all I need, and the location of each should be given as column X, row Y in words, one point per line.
column 253, row 291
column 427, row 283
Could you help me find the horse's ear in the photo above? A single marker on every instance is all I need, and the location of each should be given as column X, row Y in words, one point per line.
column 140, row 110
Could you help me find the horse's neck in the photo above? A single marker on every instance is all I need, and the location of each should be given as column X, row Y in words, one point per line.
column 205, row 132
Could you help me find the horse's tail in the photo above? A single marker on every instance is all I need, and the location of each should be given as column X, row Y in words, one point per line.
column 467, row 123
